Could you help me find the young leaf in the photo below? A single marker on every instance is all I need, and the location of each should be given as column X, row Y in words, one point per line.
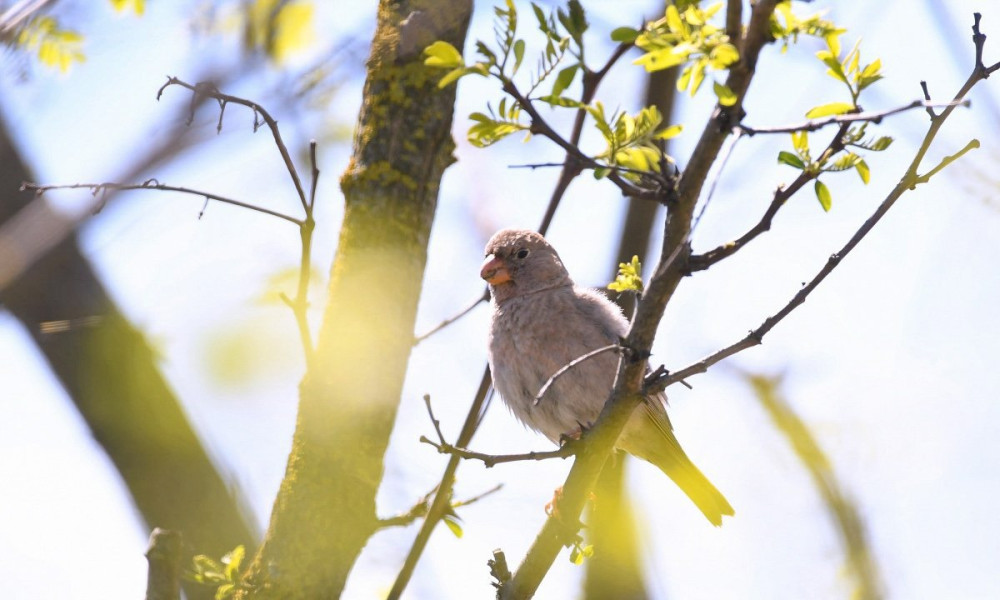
column 564, row 79
column 725, row 95
column 800, row 141
column 454, row 524
column 791, row 160
column 823, row 195
column 624, row 35
column 833, row 108
column 518, row 54
column 444, row 55
column 863, row 171
column 669, row 132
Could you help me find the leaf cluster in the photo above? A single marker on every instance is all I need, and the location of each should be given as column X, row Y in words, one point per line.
column 55, row 46
column 224, row 574
column 686, row 37
column 629, row 277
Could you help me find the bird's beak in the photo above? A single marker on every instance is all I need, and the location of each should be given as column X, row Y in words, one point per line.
column 494, row 271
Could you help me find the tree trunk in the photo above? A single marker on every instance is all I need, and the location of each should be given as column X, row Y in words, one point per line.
column 325, row 510
column 110, row 373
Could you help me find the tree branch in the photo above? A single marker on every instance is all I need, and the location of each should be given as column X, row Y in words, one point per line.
column 152, row 184
column 861, row 117
column 480, row 403
column 208, row 89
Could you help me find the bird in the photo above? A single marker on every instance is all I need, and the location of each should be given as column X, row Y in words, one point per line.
column 540, row 322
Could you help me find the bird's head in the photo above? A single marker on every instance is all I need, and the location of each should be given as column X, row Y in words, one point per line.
column 520, row 262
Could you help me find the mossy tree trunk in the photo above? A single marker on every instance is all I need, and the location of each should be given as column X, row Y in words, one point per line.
column 325, row 510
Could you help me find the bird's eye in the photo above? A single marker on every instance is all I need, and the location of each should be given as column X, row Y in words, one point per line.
column 522, row 253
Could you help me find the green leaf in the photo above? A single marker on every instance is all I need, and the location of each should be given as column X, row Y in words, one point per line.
column 232, row 561
column 800, row 141
column 660, row 59
column 601, row 173
column 518, row 54
column 224, row 591
column 564, row 79
column 791, row 160
column 442, row 54
column 724, row 55
column 629, row 277
column 833, row 108
column 863, row 171
column 674, row 19
column 669, row 132
column 624, row 35
column 725, row 95
column 454, row 524
column 823, row 195
column 453, row 75
column 561, row 101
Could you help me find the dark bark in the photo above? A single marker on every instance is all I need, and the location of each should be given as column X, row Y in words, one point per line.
column 110, row 373
column 325, row 510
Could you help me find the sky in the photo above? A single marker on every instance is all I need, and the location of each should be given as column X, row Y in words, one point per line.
column 889, row 361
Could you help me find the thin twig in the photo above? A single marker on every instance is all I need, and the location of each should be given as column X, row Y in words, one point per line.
column 152, row 184
column 420, row 509
column 483, row 298
column 565, row 451
column 223, row 99
column 563, row 369
column 866, row 117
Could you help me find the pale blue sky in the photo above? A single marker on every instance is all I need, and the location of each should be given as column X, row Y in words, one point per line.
column 890, row 361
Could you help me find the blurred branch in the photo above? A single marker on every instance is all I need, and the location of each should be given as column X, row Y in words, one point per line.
column 163, row 581
column 841, row 507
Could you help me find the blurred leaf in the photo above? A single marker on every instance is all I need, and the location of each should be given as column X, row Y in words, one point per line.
column 863, row 172
column 629, row 277
column 725, row 95
column 564, row 79
column 791, row 160
column 624, row 35
column 823, row 195
column 444, row 55
column 518, row 54
column 454, row 524
column 670, row 132
column 833, row 108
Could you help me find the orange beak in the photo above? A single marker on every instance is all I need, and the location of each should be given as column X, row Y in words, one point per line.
column 494, row 271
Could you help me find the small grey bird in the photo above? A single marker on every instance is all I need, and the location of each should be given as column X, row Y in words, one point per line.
column 540, row 322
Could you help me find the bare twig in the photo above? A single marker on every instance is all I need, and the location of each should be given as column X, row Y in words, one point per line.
column 566, row 450
column 861, row 117
column 699, row 262
column 152, row 184
column 563, row 369
column 211, row 91
column 420, row 509
column 483, row 298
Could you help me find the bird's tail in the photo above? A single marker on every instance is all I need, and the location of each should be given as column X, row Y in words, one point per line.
column 698, row 488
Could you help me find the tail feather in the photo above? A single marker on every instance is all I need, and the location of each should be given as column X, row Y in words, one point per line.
column 697, row 487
